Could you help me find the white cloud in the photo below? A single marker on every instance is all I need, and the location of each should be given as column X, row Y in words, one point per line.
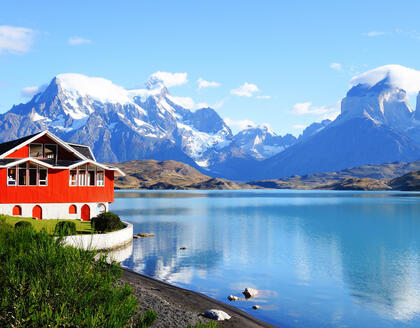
column 240, row 124
column 336, row 66
column 331, row 116
column 168, row 79
column 263, row 97
column 15, row 39
column 299, row 127
column 245, row 90
column 398, row 76
column 76, row 41
column 374, row 33
column 29, row 92
column 207, row 84
column 307, row 108
column 189, row 103
column 185, row 102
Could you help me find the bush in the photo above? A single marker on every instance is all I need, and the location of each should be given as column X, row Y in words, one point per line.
column 145, row 320
column 65, row 228
column 46, row 284
column 106, row 222
column 23, row 224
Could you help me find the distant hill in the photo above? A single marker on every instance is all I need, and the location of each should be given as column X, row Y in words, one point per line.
column 342, row 180
column 407, row 182
column 161, row 175
column 172, row 175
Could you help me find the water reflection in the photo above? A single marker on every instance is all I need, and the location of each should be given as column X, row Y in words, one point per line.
column 328, row 259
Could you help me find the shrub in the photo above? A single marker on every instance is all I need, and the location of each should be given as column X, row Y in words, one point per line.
column 65, row 228
column 46, row 284
column 23, row 224
column 145, row 320
column 106, row 222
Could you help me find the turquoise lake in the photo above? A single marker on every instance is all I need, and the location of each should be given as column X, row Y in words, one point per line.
column 318, row 258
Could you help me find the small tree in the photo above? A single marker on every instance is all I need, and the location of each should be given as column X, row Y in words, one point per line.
column 106, row 222
column 65, row 228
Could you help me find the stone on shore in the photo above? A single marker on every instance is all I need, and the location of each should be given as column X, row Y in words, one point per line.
column 145, row 234
column 218, row 315
column 233, row 298
column 250, row 292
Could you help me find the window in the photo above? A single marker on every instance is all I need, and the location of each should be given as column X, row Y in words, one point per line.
column 43, row 176
column 100, row 178
column 82, row 176
column 11, row 176
column 50, row 151
column 101, row 208
column 73, row 178
column 72, row 209
column 22, row 174
column 91, row 176
column 33, row 171
column 35, row 150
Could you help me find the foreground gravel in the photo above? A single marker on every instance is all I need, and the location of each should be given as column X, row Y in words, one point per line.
column 178, row 307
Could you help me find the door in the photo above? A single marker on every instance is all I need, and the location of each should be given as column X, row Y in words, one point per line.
column 37, row 212
column 85, row 213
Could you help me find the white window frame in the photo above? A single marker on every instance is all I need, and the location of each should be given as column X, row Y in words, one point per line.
column 27, row 170
column 100, row 183
column 77, row 176
column 39, row 176
column 10, row 180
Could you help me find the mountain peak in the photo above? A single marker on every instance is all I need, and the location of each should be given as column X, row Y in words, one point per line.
column 391, row 76
column 97, row 88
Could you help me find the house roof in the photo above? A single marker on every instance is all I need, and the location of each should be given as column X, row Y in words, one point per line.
column 83, row 149
column 83, row 152
column 9, row 145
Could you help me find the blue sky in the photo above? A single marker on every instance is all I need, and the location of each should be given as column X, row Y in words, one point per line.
column 297, row 58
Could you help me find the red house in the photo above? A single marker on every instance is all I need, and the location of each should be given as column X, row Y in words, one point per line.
column 44, row 177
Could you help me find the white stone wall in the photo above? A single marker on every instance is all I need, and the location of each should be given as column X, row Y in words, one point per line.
column 106, row 241
column 53, row 210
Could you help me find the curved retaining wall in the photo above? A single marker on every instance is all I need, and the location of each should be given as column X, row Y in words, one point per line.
column 104, row 241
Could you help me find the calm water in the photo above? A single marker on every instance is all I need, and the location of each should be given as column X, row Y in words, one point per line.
column 320, row 259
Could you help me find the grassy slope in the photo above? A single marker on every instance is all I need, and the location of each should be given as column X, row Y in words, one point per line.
column 82, row 227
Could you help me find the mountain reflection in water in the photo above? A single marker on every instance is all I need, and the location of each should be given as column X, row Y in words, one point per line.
column 322, row 258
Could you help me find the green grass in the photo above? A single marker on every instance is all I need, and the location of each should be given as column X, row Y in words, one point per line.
column 46, row 284
column 82, row 227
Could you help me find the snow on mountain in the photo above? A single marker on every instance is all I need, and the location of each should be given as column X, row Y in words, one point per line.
column 376, row 125
column 120, row 124
column 397, row 76
column 260, row 142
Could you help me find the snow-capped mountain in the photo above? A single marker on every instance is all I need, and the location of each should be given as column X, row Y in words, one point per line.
column 120, row 124
column 376, row 125
column 261, row 142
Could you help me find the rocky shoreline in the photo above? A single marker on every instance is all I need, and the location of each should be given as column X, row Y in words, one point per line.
column 178, row 307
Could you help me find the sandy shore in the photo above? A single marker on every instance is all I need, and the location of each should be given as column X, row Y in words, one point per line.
column 178, row 307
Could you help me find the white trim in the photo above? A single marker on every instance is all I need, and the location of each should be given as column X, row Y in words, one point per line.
column 41, row 134
column 121, row 173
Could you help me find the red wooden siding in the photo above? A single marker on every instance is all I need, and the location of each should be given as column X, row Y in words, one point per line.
column 57, row 191
column 20, row 153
